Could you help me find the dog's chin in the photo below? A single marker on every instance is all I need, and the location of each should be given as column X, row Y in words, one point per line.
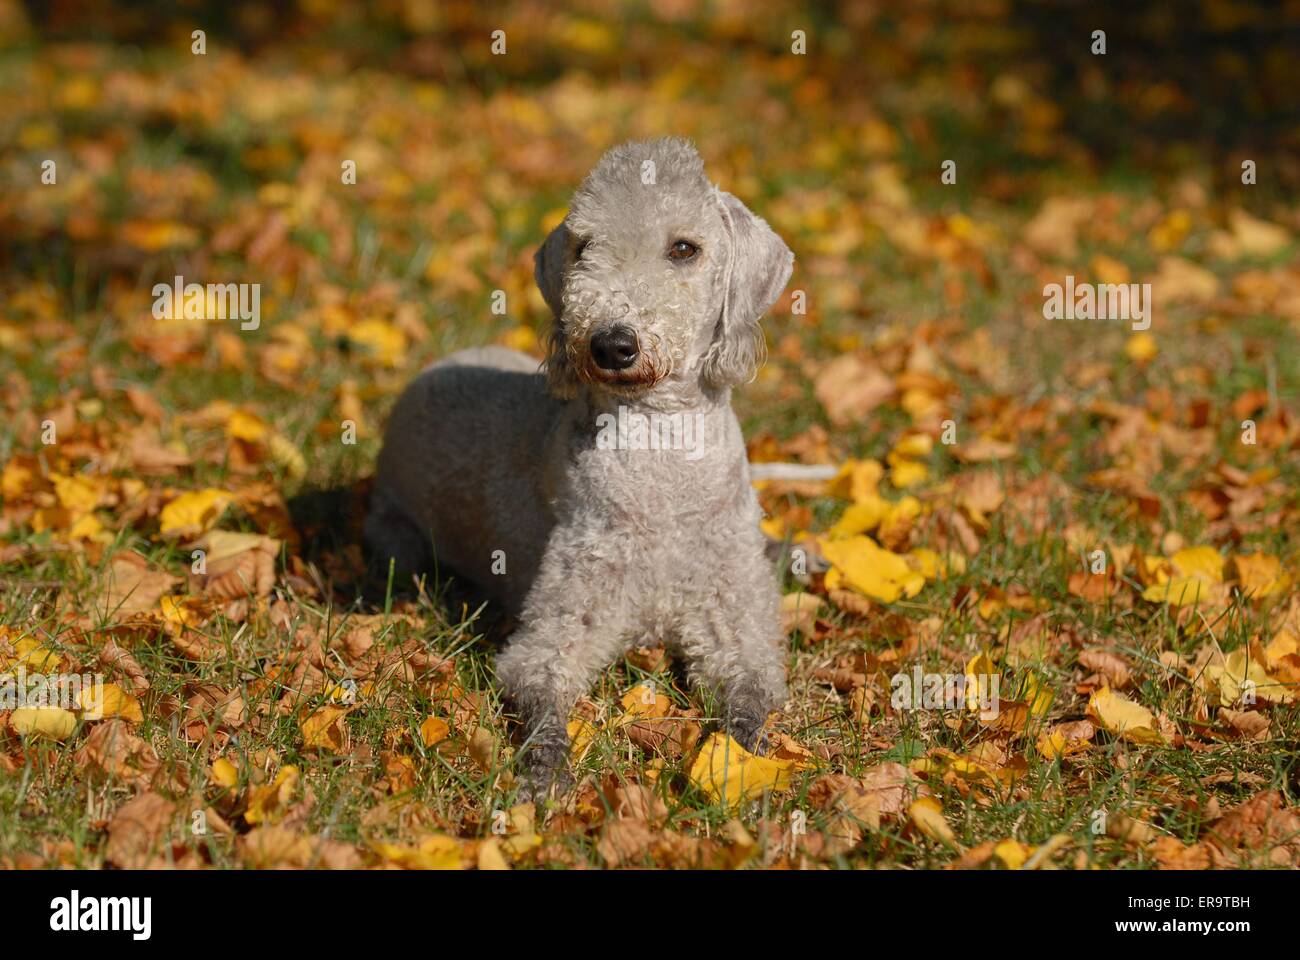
column 634, row 382
column 622, row 385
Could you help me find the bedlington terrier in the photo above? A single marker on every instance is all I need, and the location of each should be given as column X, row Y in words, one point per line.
column 606, row 502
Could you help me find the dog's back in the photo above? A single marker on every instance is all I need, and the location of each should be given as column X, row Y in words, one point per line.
column 465, row 441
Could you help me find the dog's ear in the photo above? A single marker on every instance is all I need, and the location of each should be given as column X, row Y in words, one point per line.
column 549, row 264
column 756, row 270
column 548, row 267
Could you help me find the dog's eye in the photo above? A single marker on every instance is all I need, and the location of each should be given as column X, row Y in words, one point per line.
column 580, row 249
column 682, row 250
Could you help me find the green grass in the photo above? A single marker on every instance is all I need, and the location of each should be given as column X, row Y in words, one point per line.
column 94, row 339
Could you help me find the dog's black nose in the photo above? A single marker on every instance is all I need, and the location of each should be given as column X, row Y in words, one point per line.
column 614, row 349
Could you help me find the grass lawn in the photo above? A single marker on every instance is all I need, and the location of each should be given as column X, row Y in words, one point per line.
column 1103, row 519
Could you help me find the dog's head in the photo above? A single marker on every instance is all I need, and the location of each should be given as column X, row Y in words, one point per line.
column 656, row 276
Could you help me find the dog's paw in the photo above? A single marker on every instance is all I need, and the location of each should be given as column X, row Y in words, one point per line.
column 750, row 734
column 537, row 784
column 545, row 770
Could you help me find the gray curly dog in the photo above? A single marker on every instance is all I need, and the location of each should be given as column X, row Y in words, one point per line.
column 605, row 501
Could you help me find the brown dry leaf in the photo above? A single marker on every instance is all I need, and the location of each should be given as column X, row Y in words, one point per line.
column 850, row 387
column 980, row 494
column 210, row 709
column 138, row 830
column 1128, row 830
column 624, row 840
column 799, row 611
column 114, row 657
column 1054, row 229
column 1065, row 739
column 892, row 786
column 150, row 458
column 1172, row 854
column 985, row 449
column 237, row 564
column 483, row 749
column 672, row 736
column 1181, row 281
column 636, row 801
column 274, row 847
column 854, row 806
column 131, row 586
column 113, row 750
column 1247, row 724
column 1113, row 667
column 1262, row 827
column 1093, row 587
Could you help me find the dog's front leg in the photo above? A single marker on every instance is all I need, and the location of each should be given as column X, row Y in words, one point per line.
column 548, row 665
column 736, row 650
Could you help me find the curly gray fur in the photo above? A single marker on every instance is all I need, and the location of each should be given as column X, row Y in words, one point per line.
column 507, row 475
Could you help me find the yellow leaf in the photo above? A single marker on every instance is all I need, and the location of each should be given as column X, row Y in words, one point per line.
column 932, row 566
column 156, row 235
column 523, row 339
column 1037, row 694
column 224, row 773
column 729, row 774
column 913, row 446
column 52, row 722
column 489, row 855
column 180, row 611
column 267, row 803
column 435, row 852
column 1204, row 563
column 246, row 426
column 1178, row 592
column 927, row 814
column 79, row 495
column 382, row 341
column 980, row 676
column 35, row 655
column 856, row 480
column 18, row 478
column 193, row 513
column 1012, row 853
column 581, row 733
column 110, row 700
column 858, row 518
column 1124, row 718
column 288, row 457
column 642, row 701
column 872, row 570
column 1261, row 575
column 1141, row 347
column 1243, row 679
column 433, row 731
column 908, row 473
column 324, row 730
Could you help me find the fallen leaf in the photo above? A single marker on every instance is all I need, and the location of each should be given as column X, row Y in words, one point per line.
column 729, row 774
column 1124, row 718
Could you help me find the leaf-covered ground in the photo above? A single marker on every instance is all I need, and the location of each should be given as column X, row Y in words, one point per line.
column 1102, row 519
